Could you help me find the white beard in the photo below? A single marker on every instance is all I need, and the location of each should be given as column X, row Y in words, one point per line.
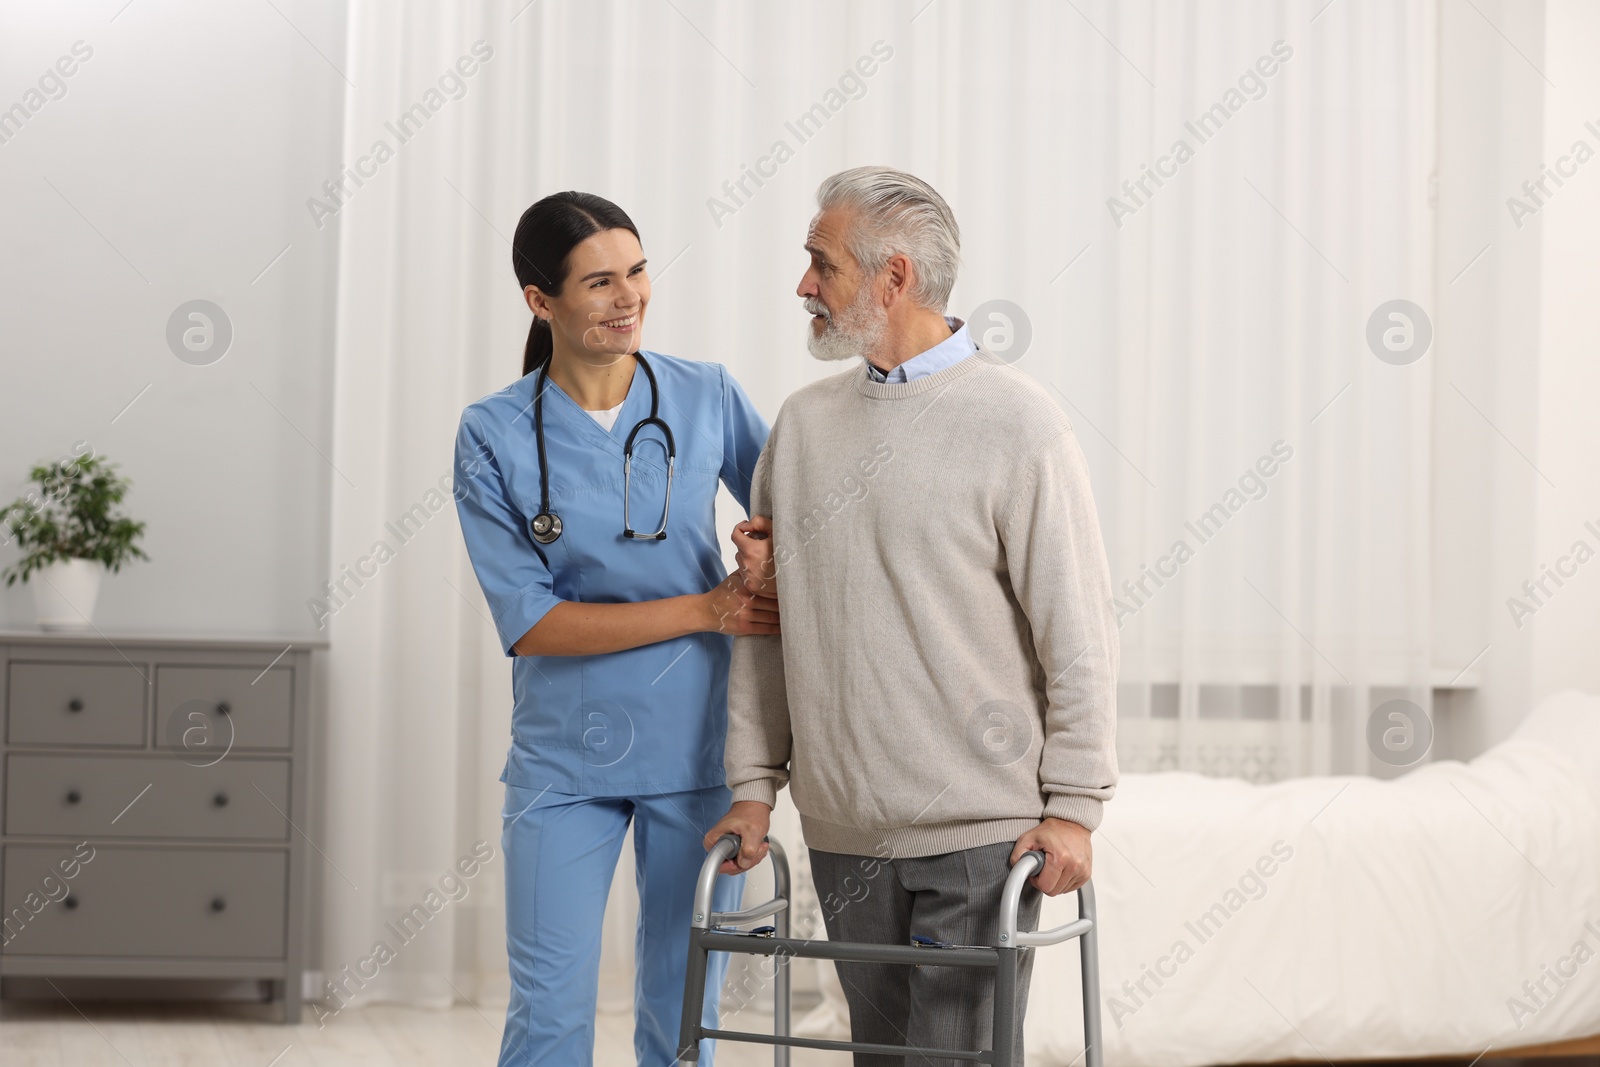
column 855, row 331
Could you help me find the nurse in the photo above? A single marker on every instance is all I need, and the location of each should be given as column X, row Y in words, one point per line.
column 607, row 587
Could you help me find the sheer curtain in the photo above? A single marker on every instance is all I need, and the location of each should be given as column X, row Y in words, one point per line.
column 1269, row 499
column 1192, row 330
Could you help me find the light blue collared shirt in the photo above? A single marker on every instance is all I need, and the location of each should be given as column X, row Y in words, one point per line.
column 952, row 350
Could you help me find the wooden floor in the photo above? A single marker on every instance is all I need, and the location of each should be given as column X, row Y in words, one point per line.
column 135, row 1034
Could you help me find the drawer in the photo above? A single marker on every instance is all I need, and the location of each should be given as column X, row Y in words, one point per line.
column 75, row 704
column 207, row 711
column 145, row 902
column 146, row 796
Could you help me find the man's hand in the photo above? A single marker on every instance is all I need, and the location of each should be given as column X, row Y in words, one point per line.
column 730, row 608
column 1068, row 855
column 750, row 820
column 753, row 541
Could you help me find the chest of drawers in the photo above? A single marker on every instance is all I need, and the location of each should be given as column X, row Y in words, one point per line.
column 152, row 802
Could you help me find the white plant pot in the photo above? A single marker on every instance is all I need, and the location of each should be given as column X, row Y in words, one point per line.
column 64, row 593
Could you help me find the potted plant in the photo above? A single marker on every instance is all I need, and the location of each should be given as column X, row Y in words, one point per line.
column 70, row 536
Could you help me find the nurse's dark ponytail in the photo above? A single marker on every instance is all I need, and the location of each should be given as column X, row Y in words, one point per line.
column 545, row 237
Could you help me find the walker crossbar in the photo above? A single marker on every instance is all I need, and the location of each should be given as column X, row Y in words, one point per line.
column 848, row 1046
column 709, row 934
column 806, row 948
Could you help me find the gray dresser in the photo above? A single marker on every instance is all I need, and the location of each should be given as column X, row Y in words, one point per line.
column 152, row 803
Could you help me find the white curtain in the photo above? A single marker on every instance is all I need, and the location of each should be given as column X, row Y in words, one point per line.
column 1266, row 615
column 1227, row 312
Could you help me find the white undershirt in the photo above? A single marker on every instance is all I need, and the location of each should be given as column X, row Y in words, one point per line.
column 606, row 417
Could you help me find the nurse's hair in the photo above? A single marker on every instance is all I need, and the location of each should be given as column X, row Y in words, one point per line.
column 898, row 214
column 546, row 235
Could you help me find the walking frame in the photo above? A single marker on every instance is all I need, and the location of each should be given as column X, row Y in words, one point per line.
column 715, row 931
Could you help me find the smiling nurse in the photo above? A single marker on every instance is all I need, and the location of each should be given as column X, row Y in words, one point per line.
column 586, row 492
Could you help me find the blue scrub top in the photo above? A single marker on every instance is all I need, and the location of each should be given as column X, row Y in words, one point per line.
column 644, row 720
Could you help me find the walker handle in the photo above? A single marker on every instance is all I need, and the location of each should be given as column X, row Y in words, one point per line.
column 1027, row 865
column 726, row 847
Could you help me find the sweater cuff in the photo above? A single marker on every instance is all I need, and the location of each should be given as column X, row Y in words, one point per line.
column 1074, row 807
column 763, row 789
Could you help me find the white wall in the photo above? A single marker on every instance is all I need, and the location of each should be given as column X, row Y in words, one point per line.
column 1517, row 335
column 1564, row 633
column 176, row 166
column 1487, row 364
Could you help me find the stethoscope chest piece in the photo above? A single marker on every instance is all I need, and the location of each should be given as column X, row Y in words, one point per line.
column 546, row 527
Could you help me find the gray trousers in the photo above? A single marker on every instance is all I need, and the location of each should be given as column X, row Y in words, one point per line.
column 955, row 898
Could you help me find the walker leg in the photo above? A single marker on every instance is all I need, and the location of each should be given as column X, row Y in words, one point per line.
column 781, row 998
column 1089, row 954
column 694, row 998
column 1005, row 1007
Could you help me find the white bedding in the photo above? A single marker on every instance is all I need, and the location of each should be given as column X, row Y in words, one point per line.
column 1395, row 919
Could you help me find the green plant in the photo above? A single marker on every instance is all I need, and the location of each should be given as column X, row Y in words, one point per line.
column 71, row 518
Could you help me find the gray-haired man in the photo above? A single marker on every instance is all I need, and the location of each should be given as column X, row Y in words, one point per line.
column 942, row 697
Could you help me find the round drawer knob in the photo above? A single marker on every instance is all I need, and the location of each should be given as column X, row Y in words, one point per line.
column 73, row 796
column 217, row 903
column 223, row 708
column 69, row 903
column 220, row 800
column 74, row 704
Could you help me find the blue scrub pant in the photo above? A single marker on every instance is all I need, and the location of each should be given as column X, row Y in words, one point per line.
column 560, row 852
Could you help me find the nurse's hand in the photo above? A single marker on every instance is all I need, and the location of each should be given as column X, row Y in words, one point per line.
column 749, row 820
column 752, row 541
column 730, row 608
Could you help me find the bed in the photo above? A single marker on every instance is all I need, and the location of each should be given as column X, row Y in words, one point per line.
column 1450, row 911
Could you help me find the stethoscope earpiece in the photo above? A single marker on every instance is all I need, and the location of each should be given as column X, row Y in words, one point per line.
column 546, row 525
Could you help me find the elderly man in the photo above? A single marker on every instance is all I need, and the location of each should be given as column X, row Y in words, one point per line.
column 942, row 697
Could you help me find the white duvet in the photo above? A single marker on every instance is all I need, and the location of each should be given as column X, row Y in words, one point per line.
column 1452, row 910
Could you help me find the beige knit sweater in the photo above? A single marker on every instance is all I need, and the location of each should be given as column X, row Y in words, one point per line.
column 946, row 675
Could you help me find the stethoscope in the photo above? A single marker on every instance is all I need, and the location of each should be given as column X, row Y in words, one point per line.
column 547, row 524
